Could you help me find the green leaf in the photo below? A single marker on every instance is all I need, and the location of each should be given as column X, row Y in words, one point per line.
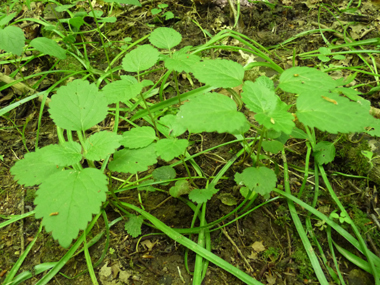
column 12, row 40
column 141, row 58
column 182, row 61
column 168, row 15
column 49, row 47
column 270, row 110
column 171, row 148
column 339, row 57
column 5, row 19
column 303, row 80
column 172, row 122
column 181, row 187
column 323, row 58
column 165, row 38
column 133, row 160
column 227, row 199
column 324, row 50
column 101, row 144
column 324, row 152
column 273, row 146
column 219, row 73
column 34, row 168
column 298, row 134
column 108, row 20
column 67, row 200
column 332, row 113
column 155, row 11
column 244, row 191
column 138, row 137
column 164, row 173
column 64, row 154
column 133, row 225
column 78, row 106
column 122, row 90
column 63, row 8
column 202, row 195
column 212, row 112
column 262, row 180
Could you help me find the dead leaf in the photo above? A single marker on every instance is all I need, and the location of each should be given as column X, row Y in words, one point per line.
column 258, row 246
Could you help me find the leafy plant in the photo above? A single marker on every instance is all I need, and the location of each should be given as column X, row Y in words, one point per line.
column 70, row 175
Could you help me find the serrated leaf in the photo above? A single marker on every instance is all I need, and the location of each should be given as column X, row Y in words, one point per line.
column 64, row 154
column 49, row 47
column 34, row 168
column 258, row 97
column 122, row 90
column 172, row 122
column 133, row 160
column 171, row 148
column 270, row 110
column 101, row 144
column 273, row 146
column 133, row 225
column 141, row 58
column 67, row 200
column 262, row 179
column 138, row 137
column 165, row 38
column 181, row 61
column 324, row 152
column 202, row 195
column 332, row 113
column 12, row 40
column 305, row 80
column 219, row 73
column 78, row 106
column 181, row 187
column 164, row 173
column 212, row 112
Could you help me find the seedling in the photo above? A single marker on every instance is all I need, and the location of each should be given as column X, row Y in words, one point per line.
column 167, row 15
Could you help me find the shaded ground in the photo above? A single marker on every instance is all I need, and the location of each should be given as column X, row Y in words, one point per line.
column 266, row 237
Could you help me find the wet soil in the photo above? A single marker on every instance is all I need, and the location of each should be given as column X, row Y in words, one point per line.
column 266, row 237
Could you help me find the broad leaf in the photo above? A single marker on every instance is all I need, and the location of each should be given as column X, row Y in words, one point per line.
column 270, row 110
column 244, row 191
column 122, row 90
column 133, row 160
column 64, row 154
column 164, row 173
column 67, row 200
column 181, row 187
column 12, row 40
column 101, row 144
column 182, row 61
column 175, row 128
column 165, row 38
column 48, row 47
column 324, row 152
column 219, row 73
column 332, row 113
column 202, row 195
column 141, row 58
column 262, row 180
column 133, row 225
column 212, row 112
column 34, row 168
column 273, row 146
column 78, row 106
column 171, row 148
column 305, row 80
column 138, row 137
